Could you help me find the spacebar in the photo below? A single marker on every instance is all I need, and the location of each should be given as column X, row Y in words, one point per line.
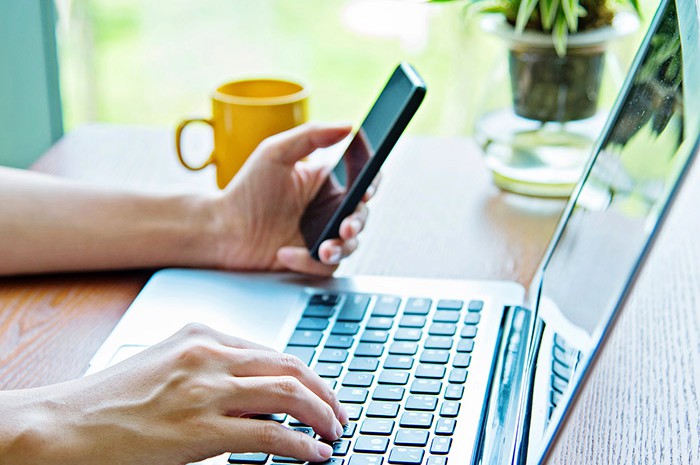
column 306, row 354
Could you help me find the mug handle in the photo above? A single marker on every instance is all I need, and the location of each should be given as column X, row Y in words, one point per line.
column 178, row 147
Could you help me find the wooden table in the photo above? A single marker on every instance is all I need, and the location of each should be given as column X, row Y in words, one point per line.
column 436, row 215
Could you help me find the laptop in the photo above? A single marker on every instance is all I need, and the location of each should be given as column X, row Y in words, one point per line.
column 436, row 371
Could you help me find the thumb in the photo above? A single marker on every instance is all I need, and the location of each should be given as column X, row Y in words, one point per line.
column 291, row 146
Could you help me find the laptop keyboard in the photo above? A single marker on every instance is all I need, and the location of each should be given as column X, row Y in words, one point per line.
column 399, row 366
column 564, row 361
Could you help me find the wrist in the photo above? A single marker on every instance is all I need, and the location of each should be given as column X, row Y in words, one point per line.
column 29, row 430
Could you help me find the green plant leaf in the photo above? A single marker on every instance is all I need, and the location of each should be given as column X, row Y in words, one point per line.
column 560, row 35
column 548, row 11
column 524, row 12
column 571, row 10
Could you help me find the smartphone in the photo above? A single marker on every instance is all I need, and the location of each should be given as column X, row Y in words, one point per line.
column 367, row 151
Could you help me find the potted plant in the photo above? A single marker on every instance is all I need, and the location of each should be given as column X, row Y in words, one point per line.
column 556, row 57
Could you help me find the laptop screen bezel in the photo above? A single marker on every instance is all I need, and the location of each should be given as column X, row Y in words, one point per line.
column 552, row 433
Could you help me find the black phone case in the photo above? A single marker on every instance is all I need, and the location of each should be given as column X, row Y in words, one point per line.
column 369, row 172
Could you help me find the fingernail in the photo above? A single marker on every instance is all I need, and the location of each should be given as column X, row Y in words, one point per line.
column 324, row 450
column 338, row 429
column 356, row 226
column 336, row 253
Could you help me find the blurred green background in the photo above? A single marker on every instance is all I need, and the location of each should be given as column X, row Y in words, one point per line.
column 155, row 62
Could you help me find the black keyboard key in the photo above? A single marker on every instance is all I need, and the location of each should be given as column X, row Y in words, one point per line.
column 306, row 354
column 472, row 318
column 468, row 331
column 336, row 341
column 371, row 444
column 462, row 361
column 388, row 392
column 378, row 426
column 436, row 460
column 449, row 409
column 387, row 305
column 305, row 338
column 294, row 422
column 408, row 334
column 393, row 377
column 255, row 457
column 363, row 459
column 358, row 379
column 345, row 328
column 354, row 411
column 364, row 364
column 440, row 445
column 454, row 392
column 349, row 430
column 426, row 386
column 314, row 324
column 382, row 409
column 435, row 356
column 416, row 420
column 354, row 308
column 429, row 370
column 438, row 342
column 331, row 461
column 458, row 376
column 443, row 329
column 412, row 437
column 422, row 403
column 367, row 349
column 445, row 426
column 475, row 306
column 278, row 417
column 341, row 447
column 353, row 395
column 328, row 370
column 417, row 306
column 412, row 321
column 319, row 311
column 399, row 362
column 383, row 323
column 324, row 299
column 450, row 304
column 403, row 348
column 465, row 345
column 406, row 455
column 283, row 459
column 307, row 430
column 446, row 316
column 374, row 335
column 333, row 355
column 559, row 384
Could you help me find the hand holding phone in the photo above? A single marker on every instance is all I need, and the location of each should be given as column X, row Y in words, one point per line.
column 364, row 156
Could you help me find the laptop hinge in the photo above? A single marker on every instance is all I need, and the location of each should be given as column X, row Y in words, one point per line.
column 498, row 437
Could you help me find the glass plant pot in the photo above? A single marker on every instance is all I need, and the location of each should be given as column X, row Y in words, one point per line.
column 542, row 113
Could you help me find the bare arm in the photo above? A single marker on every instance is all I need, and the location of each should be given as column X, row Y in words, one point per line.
column 49, row 224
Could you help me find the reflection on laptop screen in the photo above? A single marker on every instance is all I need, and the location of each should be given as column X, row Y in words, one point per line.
column 650, row 138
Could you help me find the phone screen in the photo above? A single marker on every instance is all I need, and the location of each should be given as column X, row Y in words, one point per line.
column 387, row 113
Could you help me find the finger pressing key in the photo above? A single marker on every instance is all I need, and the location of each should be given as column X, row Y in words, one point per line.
column 282, row 394
column 264, row 363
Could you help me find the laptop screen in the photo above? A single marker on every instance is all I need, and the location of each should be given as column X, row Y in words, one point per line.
column 647, row 145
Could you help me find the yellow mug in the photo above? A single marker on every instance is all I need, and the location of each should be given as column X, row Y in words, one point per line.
column 244, row 113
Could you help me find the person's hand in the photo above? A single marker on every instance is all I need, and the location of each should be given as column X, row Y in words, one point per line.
column 189, row 398
column 262, row 207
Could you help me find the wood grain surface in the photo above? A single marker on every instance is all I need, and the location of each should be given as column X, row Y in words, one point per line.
column 436, row 215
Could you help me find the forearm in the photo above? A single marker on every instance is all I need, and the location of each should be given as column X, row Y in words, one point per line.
column 48, row 224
